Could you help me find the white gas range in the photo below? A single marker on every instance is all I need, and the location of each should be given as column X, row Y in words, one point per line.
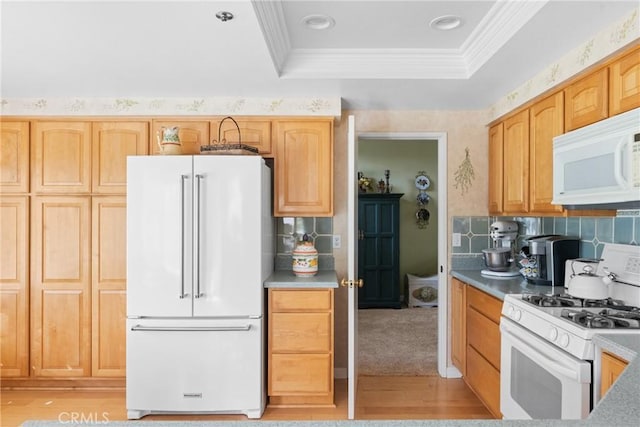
column 547, row 348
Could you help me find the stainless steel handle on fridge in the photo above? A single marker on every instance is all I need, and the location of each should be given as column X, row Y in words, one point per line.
column 191, row 328
column 196, row 255
column 183, row 178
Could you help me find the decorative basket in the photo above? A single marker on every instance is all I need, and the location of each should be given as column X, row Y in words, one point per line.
column 222, row 147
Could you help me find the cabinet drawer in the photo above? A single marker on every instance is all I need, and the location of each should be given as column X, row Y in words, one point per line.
column 299, row 374
column 484, row 336
column 301, row 332
column 484, row 303
column 484, row 379
column 301, row 300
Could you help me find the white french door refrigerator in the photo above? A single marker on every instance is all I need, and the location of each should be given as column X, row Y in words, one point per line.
column 199, row 247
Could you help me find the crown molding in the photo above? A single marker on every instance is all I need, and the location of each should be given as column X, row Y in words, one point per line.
column 374, row 64
column 501, row 22
column 274, row 30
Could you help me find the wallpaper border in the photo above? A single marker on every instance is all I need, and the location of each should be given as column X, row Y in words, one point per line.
column 131, row 106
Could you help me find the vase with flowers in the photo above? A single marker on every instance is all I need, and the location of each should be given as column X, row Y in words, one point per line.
column 364, row 184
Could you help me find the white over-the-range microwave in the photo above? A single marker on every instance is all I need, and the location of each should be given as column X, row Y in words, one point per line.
column 598, row 166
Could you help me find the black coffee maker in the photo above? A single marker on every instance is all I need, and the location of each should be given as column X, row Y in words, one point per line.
column 550, row 252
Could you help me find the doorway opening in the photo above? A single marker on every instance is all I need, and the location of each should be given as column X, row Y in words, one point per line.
column 438, row 221
column 398, row 256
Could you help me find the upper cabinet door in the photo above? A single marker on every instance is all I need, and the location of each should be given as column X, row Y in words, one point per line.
column 61, row 157
column 624, row 83
column 547, row 121
column 14, row 157
column 586, row 100
column 516, row 163
column 256, row 133
column 496, row 168
column 303, row 168
column 112, row 143
column 192, row 134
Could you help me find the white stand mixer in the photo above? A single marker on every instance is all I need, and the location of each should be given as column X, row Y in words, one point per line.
column 503, row 234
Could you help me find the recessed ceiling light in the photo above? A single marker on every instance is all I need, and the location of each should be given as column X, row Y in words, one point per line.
column 318, row 22
column 447, row 22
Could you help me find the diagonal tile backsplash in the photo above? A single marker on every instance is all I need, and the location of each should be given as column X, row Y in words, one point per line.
column 593, row 234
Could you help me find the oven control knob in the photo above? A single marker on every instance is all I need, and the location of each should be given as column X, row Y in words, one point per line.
column 517, row 314
column 564, row 340
column 553, row 334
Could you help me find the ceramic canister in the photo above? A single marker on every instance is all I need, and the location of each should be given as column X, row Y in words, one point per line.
column 305, row 259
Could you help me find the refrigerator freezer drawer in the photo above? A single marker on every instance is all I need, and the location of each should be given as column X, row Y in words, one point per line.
column 195, row 366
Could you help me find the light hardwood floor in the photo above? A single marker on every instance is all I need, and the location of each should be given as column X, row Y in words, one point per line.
column 378, row 398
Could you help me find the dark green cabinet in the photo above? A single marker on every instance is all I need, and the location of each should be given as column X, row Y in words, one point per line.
column 379, row 250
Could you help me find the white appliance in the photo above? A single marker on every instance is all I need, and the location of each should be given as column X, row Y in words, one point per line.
column 549, row 367
column 598, row 166
column 199, row 247
column 503, row 234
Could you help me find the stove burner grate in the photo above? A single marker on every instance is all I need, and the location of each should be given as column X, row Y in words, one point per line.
column 605, row 319
column 552, row 300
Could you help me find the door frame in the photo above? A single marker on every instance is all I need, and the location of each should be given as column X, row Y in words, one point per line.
column 445, row 369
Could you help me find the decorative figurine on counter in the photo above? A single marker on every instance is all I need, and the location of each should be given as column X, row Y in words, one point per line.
column 305, row 258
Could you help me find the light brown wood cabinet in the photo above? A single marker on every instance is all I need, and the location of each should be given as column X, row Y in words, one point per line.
column 515, row 173
column 300, row 347
column 303, row 182
column 112, row 142
column 253, row 132
column 14, row 157
column 459, row 324
column 60, row 286
column 14, row 286
column 546, row 120
column 483, row 347
column 521, row 160
column 61, row 157
column 63, row 271
column 586, row 100
column 108, row 286
column 496, row 139
column 192, row 134
column 624, row 83
column 195, row 133
column 612, row 367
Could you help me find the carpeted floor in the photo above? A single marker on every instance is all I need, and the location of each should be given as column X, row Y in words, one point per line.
column 398, row 341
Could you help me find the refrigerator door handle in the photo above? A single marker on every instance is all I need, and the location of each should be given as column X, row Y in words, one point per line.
column 183, row 178
column 191, row 328
column 196, row 257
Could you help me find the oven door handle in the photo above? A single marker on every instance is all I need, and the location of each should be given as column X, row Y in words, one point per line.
column 535, row 354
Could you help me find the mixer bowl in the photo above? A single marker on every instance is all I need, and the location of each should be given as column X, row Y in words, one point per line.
column 498, row 259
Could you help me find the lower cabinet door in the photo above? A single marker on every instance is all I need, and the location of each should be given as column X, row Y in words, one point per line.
column 301, row 332
column 300, row 374
column 484, row 380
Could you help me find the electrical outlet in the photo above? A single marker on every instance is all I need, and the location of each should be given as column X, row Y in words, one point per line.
column 456, row 240
column 337, row 241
